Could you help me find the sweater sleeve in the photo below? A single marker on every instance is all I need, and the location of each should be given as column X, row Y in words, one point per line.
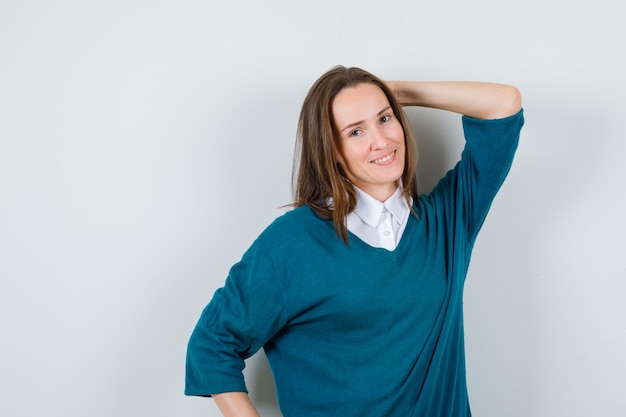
column 485, row 163
column 464, row 195
column 240, row 318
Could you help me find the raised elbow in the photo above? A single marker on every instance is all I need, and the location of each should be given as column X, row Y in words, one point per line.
column 509, row 102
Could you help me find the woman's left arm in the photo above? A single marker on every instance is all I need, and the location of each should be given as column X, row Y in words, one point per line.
column 480, row 100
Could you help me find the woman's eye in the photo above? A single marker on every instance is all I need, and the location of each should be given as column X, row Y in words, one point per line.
column 355, row 133
column 385, row 118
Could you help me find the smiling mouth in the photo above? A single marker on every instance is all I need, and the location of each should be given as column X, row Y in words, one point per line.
column 385, row 159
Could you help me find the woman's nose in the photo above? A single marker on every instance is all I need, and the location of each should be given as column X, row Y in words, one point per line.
column 379, row 140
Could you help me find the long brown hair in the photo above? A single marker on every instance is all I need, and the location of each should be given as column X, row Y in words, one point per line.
column 321, row 182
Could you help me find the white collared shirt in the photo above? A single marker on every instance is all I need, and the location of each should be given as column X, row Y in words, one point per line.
column 379, row 224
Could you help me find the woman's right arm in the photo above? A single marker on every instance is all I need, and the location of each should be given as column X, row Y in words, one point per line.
column 240, row 318
column 235, row 404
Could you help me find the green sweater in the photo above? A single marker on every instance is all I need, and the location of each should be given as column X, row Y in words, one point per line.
column 356, row 330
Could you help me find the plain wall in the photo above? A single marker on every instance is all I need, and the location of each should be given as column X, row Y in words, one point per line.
column 145, row 144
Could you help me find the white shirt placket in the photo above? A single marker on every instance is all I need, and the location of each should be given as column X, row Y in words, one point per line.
column 385, row 231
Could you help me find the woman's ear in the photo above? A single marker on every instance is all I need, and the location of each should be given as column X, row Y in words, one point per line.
column 341, row 171
column 337, row 154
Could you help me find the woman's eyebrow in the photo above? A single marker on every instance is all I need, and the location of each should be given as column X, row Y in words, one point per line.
column 362, row 121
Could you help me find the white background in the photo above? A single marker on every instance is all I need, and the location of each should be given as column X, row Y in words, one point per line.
column 145, row 144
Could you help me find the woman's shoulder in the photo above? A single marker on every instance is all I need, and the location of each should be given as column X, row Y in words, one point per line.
column 294, row 225
column 297, row 216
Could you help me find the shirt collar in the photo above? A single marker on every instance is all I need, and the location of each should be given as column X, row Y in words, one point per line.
column 369, row 209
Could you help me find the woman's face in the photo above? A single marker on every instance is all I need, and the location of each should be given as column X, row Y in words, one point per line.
column 371, row 140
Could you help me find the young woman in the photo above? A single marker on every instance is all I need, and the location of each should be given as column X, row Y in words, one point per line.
column 356, row 294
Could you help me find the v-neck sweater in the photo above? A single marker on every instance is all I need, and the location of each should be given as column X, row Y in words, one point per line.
column 353, row 330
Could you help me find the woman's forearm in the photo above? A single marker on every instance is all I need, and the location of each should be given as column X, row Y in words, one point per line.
column 475, row 99
column 235, row 404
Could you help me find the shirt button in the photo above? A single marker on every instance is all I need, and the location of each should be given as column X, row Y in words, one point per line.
column 386, row 233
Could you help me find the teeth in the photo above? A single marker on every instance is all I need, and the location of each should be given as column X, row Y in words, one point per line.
column 383, row 160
